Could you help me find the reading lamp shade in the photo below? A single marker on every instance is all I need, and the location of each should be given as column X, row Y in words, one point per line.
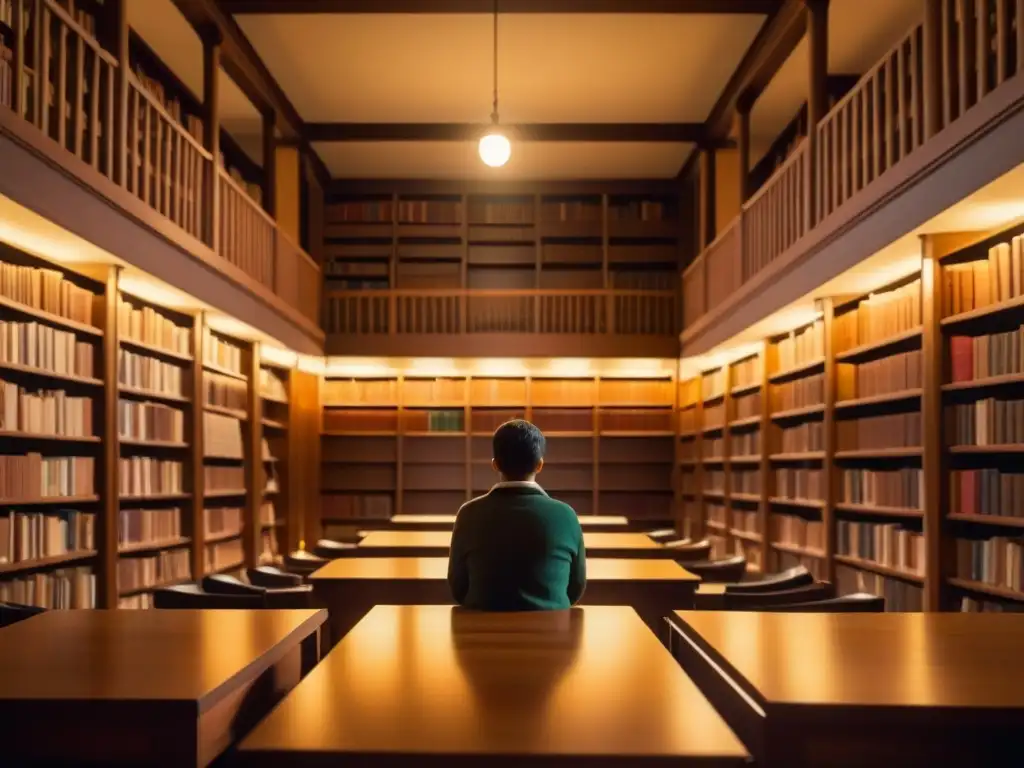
column 495, row 149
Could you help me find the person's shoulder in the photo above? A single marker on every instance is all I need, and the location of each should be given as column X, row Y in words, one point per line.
column 468, row 508
column 561, row 508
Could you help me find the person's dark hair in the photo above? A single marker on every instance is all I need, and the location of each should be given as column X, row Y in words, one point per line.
column 518, row 448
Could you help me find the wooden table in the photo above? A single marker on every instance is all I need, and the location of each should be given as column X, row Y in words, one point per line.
column 349, row 587
column 914, row 689
column 437, row 544
column 595, row 523
column 434, row 685
column 145, row 687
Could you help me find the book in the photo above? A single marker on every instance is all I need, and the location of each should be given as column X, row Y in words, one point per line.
column 807, row 391
column 149, row 326
column 803, row 438
column 895, row 373
column 988, row 421
column 222, row 436
column 222, row 353
column 223, row 555
column 27, row 536
column 883, row 488
column 47, row 290
column 982, row 283
column 888, row 544
column 988, row 491
column 32, row 476
column 218, row 478
column 223, row 521
column 150, row 422
column 996, row 561
column 144, row 372
column 63, row 588
column 900, row 430
column 148, row 526
column 152, row 570
column 798, row 483
column 799, row 532
column 46, row 349
column 982, row 357
column 44, row 412
column 879, row 317
column 899, row 595
column 802, row 347
column 149, row 476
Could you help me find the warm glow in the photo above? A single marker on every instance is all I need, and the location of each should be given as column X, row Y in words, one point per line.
column 495, row 149
column 499, row 367
column 276, row 356
column 30, row 232
column 311, row 364
column 155, row 291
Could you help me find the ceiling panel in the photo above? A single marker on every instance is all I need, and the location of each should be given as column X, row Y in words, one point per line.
column 552, row 67
column 533, row 160
column 860, row 32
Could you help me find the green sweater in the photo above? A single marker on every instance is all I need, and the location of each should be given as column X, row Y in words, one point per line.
column 517, row 549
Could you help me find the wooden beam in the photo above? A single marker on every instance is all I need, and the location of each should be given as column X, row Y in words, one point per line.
column 269, row 164
column 345, row 187
column 648, row 132
column 211, row 132
column 777, row 39
column 763, row 7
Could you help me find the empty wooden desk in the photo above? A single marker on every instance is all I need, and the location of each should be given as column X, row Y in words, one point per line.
column 437, row 544
column 350, row 587
column 145, row 687
column 433, row 686
column 595, row 523
column 907, row 689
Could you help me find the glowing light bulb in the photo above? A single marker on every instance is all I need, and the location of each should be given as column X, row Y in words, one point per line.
column 495, row 149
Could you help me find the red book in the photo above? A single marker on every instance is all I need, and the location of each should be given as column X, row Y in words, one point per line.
column 968, row 484
column 961, row 351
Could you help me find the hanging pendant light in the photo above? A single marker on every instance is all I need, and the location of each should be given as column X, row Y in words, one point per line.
column 495, row 148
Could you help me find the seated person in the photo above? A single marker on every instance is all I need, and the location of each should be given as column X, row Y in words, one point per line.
column 515, row 548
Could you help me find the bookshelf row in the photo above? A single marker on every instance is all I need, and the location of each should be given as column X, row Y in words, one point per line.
column 422, row 445
column 578, row 241
column 878, row 444
column 141, row 447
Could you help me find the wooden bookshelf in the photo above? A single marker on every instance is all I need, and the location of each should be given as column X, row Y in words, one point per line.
column 142, row 427
column 422, row 444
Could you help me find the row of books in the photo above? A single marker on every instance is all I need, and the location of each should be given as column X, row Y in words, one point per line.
column 435, row 421
column 997, row 561
column 225, row 392
column 804, row 347
column 144, row 372
column 714, row 447
column 746, row 443
column 990, row 421
column 222, row 436
column 44, row 412
column 26, row 536
column 46, row 289
column 223, row 478
column 900, row 430
column 745, row 520
column 714, row 416
column 223, row 555
column 570, row 210
column 796, row 531
column 223, row 521
column 150, row 421
column 33, row 476
column 434, row 391
column 148, row 326
column 272, row 386
column 430, row 211
column 973, row 605
column 745, row 481
column 799, row 483
column 362, row 211
column 152, row 570
column 222, row 353
column 715, row 514
column 149, row 476
column 148, row 526
column 887, row 544
column 505, row 212
column 747, row 407
column 712, row 384
column 61, row 589
column 800, row 393
column 357, row 506
column 984, row 282
column 39, row 346
column 636, row 210
column 714, row 481
column 748, row 372
column 986, row 492
column 805, row 437
column 980, row 357
column 900, row 596
column 192, row 124
column 895, row 373
column 879, row 317
column 889, row 488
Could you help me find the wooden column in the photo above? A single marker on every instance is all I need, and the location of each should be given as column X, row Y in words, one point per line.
column 269, row 163
column 706, row 205
column 765, row 467
column 255, row 477
column 287, row 194
column 828, row 462
column 817, row 85
column 121, row 37
column 932, row 89
column 211, row 134
column 935, row 501
column 743, row 138
column 304, row 420
column 195, row 526
column 108, row 485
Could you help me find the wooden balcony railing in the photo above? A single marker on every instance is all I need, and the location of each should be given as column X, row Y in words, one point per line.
column 119, row 128
column 594, row 312
column 938, row 73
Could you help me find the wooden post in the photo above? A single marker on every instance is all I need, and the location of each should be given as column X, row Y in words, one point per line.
column 743, row 131
column 120, row 128
column 933, row 459
column 269, row 163
column 18, row 98
column 109, row 486
column 932, row 68
column 707, row 198
column 765, row 467
column 817, row 88
column 211, row 135
column 196, row 526
column 828, row 469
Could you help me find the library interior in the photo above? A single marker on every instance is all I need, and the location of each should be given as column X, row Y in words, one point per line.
column 272, row 273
